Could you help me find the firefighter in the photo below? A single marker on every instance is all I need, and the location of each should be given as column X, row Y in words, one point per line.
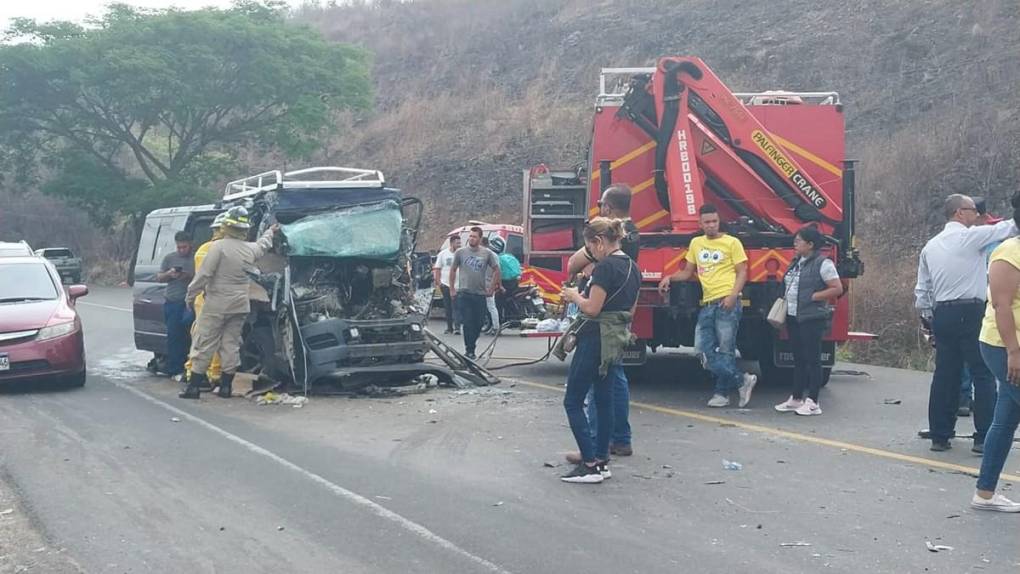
column 213, row 374
column 224, row 281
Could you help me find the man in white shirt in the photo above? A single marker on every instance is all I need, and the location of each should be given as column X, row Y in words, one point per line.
column 441, row 273
column 952, row 285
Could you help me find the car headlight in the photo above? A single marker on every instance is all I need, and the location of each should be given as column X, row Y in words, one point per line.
column 353, row 333
column 54, row 331
column 415, row 327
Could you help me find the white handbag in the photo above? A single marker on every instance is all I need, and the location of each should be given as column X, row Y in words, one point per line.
column 777, row 314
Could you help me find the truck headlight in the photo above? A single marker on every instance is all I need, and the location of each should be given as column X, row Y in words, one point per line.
column 54, row 331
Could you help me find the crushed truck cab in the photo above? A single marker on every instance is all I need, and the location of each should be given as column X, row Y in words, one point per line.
column 341, row 301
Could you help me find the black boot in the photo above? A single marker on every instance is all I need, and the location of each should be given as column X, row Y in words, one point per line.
column 194, row 386
column 226, row 385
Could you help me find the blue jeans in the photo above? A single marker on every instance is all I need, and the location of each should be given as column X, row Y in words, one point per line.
column 178, row 335
column 715, row 338
column 966, row 387
column 956, row 329
column 621, row 407
column 584, row 375
column 999, row 439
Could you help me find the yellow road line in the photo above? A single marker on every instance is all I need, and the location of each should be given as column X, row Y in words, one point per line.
column 849, row 446
column 808, row 156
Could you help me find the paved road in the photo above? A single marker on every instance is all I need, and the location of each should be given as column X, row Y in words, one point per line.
column 457, row 482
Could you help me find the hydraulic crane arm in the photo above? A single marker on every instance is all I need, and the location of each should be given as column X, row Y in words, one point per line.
column 689, row 112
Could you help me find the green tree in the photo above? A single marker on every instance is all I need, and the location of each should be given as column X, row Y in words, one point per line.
column 148, row 108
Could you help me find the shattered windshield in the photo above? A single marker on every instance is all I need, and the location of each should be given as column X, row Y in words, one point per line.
column 366, row 232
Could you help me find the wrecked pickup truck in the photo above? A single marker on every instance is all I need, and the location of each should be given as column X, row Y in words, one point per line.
column 341, row 302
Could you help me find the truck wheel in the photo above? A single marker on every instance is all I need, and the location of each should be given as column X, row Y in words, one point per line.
column 826, row 373
column 770, row 373
column 773, row 375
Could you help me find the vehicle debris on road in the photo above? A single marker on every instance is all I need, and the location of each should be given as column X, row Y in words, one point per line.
column 732, row 465
column 272, row 398
column 937, row 547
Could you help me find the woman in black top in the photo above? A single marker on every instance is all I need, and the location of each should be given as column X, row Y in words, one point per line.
column 612, row 291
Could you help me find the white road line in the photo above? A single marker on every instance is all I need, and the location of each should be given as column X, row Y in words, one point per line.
column 121, row 309
column 336, row 489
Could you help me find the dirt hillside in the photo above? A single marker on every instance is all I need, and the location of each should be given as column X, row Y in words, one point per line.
column 469, row 93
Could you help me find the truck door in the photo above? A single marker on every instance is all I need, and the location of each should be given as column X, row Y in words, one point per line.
column 156, row 241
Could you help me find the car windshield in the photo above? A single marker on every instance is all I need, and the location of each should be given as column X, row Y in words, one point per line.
column 26, row 282
column 56, row 253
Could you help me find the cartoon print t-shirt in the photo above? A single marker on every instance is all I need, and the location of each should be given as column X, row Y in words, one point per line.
column 472, row 266
column 716, row 260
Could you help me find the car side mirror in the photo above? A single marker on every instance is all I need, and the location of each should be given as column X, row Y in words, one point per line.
column 77, row 291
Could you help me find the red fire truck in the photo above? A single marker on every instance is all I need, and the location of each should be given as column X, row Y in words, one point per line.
column 771, row 162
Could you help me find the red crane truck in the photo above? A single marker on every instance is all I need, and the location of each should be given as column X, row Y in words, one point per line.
column 771, row 162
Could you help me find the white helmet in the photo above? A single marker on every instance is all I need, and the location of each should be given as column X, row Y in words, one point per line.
column 218, row 221
column 236, row 217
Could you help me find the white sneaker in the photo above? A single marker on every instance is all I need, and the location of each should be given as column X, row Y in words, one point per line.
column 790, row 405
column 997, row 502
column 747, row 388
column 809, row 408
column 718, row 401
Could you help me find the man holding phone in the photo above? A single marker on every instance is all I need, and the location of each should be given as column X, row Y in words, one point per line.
column 176, row 271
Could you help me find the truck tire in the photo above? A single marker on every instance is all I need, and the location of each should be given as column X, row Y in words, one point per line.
column 773, row 375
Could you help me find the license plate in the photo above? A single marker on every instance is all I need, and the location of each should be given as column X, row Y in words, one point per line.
column 5, row 363
column 783, row 354
column 634, row 355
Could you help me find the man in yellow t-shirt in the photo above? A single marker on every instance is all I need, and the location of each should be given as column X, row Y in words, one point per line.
column 214, row 366
column 721, row 266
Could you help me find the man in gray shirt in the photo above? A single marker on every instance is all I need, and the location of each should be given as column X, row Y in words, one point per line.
column 176, row 271
column 469, row 288
column 952, row 286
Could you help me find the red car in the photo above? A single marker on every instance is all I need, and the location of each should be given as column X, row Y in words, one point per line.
column 40, row 331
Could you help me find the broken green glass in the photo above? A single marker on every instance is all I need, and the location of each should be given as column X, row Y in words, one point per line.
column 365, row 231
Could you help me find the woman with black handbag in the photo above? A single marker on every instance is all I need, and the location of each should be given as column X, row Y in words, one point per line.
column 811, row 282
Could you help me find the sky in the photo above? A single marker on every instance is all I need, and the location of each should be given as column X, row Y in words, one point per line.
column 76, row 10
